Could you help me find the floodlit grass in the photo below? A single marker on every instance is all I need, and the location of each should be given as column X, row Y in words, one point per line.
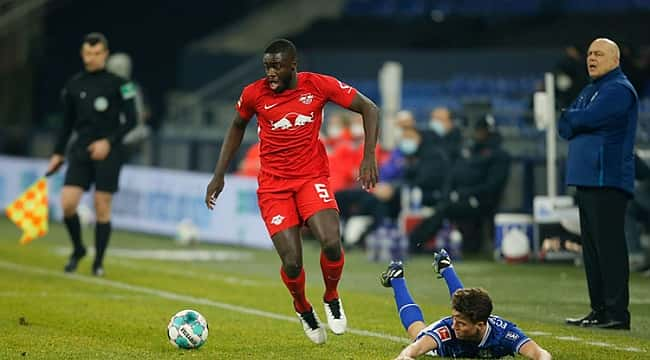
column 45, row 314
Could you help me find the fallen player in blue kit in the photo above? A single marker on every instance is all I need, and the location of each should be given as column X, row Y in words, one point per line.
column 470, row 332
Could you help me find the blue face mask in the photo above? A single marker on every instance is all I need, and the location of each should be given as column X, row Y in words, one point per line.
column 408, row 146
column 437, row 126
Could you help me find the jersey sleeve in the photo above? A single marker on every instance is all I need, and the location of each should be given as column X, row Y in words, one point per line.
column 514, row 338
column 440, row 332
column 246, row 104
column 126, row 97
column 69, row 118
column 336, row 91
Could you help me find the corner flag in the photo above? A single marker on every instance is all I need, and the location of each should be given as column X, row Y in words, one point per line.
column 30, row 211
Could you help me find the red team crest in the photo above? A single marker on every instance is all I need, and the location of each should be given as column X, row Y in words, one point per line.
column 306, row 98
column 443, row 333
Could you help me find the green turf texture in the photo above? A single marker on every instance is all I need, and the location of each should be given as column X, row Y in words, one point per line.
column 44, row 315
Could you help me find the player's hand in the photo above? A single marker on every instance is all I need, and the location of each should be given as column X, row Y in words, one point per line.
column 368, row 173
column 55, row 164
column 214, row 189
column 99, row 149
column 404, row 357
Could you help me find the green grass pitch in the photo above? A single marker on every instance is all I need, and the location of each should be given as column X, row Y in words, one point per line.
column 45, row 314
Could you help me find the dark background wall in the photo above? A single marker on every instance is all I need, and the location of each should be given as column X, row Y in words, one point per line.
column 152, row 32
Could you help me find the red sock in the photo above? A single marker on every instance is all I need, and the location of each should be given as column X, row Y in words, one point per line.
column 331, row 275
column 296, row 287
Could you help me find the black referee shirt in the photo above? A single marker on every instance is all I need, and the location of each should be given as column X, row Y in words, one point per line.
column 92, row 103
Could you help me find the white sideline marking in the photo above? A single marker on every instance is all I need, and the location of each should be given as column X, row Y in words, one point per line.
column 250, row 311
column 568, row 338
column 191, row 274
column 45, row 294
column 184, row 298
column 538, row 333
column 171, row 254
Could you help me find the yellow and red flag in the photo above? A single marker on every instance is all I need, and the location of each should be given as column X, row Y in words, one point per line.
column 30, row 211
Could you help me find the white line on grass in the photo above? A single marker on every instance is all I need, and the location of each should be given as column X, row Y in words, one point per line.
column 45, row 294
column 191, row 274
column 241, row 309
column 184, row 298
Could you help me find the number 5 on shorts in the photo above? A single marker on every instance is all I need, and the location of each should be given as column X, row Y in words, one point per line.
column 321, row 189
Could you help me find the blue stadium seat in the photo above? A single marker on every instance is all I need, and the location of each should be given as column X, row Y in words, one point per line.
column 487, row 8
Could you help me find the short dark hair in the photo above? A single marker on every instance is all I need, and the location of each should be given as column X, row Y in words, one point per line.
column 475, row 304
column 95, row 38
column 283, row 46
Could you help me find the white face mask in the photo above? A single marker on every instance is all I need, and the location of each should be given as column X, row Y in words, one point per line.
column 356, row 130
column 334, row 132
column 436, row 125
column 408, row 146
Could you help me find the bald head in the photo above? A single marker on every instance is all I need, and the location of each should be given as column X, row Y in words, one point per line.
column 603, row 56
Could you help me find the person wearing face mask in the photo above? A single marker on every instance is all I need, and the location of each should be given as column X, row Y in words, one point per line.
column 473, row 186
column 337, row 131
column 393, row 168
column 343, row 152
column 380, row 204
column 443, row 135
column 424, row 167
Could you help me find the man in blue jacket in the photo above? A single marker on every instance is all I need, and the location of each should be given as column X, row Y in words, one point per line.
column 600, row 126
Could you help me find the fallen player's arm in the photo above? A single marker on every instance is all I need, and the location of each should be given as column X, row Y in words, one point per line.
column 419, row 347
column 533, row 351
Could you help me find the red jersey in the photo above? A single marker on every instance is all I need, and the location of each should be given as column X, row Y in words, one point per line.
column 290, row 123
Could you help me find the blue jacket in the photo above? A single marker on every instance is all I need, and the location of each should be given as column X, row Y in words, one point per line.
column 601, row 128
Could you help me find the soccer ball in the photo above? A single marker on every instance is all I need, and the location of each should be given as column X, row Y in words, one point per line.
column 86, row 215
column 187, row 233
column 187, row 329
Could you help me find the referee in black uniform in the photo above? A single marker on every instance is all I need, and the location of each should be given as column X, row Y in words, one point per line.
column 100, row 108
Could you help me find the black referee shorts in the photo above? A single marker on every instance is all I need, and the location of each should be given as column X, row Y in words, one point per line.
column 83, row 171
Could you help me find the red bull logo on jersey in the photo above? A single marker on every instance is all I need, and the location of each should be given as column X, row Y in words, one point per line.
column 292, row 120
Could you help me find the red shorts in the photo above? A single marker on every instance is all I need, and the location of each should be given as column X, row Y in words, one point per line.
column 285, row 203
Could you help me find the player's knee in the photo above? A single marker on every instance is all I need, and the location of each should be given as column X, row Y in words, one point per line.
column 103, row 208
column 69, row 208
column 332, row 250
column 292, row 267
column 103, row 213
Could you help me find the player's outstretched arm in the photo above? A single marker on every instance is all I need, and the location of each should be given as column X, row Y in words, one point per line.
column 368, row 173
column 533, row 351
column 419, row 347
column 231, row 143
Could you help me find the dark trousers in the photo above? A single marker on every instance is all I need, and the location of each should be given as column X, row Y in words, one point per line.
column 445, row 210
column 602, row 219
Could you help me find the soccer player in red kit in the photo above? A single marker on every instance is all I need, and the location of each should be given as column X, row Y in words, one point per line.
column 293, row 181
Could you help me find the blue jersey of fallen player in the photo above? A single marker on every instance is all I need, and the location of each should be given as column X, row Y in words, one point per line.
column 502, row 338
